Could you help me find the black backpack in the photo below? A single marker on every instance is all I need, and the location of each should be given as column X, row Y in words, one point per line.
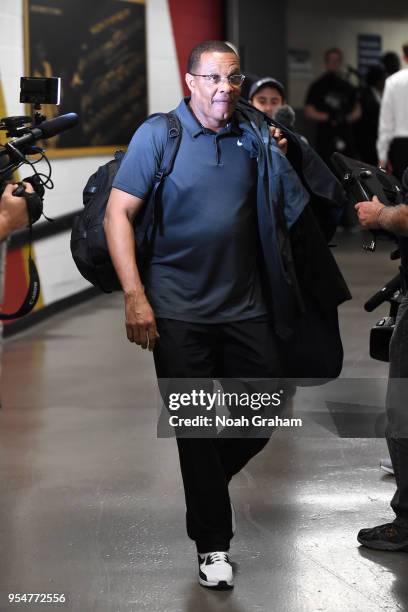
column 89, row 248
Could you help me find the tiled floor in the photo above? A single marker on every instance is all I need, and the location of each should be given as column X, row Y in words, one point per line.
column 92, row 503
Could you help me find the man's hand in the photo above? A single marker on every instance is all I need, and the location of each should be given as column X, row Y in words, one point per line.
column 276, row 133
column 140, row 321
column 13, row 210
column 355, row 114
column 368, row 213
column 311, row 112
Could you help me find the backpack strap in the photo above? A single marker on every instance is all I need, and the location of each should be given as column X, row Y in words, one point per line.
column 166, row 166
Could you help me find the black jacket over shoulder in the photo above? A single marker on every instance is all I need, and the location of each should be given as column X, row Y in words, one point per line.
column 306, row 294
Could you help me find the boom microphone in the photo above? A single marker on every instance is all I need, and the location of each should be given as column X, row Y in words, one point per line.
column 44, row 130
column 384, row 294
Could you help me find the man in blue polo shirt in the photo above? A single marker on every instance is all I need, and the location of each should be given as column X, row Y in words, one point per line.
column 201, row 308
column 204, row 263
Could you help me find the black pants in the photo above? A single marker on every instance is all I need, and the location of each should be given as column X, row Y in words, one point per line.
column 397, row 412
column 214, row 351
column 398, row 156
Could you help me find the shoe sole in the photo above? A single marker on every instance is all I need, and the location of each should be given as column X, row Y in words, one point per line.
column 222, row 585
column 388, row 470
column 380, row 545
column 233, row 519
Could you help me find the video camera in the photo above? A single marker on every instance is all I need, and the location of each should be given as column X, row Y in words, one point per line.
column 361, row 182
column 25, row 131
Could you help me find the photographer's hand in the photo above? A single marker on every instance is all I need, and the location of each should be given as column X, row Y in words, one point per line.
column 368, row 213
column 374, row 215
column 13, row 210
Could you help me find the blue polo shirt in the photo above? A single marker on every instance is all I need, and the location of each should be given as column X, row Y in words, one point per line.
column 204, row 267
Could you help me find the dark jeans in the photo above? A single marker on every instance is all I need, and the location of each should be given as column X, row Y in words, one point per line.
column 398, row 156
column 246, row 349
column 397, row 412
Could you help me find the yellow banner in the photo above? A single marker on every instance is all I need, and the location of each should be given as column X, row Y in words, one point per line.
column 2, row 112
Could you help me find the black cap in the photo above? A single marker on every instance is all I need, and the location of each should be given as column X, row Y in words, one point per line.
column 266, row 81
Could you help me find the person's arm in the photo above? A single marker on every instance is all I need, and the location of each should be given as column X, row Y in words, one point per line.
column 13, row 210
column 312, row 113
column 375, row 215
column 118, row 224
column 313, row 102
column 386, row 126
column 5, row 230
column 355, row 114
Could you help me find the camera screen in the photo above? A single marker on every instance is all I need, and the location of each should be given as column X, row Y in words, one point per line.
column 40, row 90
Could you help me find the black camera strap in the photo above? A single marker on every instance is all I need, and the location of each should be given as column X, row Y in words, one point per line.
column 34, row 208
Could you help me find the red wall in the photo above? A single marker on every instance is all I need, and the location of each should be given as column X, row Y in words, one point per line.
column 194, row 21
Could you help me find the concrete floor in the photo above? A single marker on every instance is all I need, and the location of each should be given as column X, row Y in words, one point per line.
column 92, row 503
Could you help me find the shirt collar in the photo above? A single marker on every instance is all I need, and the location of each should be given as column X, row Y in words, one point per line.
column 192, row 125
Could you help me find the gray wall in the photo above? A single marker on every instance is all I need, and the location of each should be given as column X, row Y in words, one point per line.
column 263, row 30
column 258, row 28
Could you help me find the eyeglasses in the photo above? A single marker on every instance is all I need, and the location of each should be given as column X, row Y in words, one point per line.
column 235, row 80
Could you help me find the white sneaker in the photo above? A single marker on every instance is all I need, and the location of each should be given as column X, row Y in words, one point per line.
column 215, row 570
column 386, row 465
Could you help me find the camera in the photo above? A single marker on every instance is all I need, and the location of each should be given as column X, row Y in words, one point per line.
column 25, row 131
column 361, row 182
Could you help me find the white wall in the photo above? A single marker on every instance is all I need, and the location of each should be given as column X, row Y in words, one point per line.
column 58, row 275
column 164, row 83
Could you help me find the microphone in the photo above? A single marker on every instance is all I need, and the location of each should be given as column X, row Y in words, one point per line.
column 44, row 130
column 384, row 294
column 286, row 116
